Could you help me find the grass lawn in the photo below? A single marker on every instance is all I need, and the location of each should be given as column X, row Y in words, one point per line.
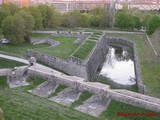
column 4, row 63
column 155, row 39
column 64, row 50
column 19, row 50
column 18, row 104
column 85, row 49
column 149, row 63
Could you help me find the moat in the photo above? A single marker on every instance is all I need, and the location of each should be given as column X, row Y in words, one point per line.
column 119, row 66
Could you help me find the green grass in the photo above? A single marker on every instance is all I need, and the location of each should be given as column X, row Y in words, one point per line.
column 34, row 82
column 59, row 89
column 115, row 107
column 18, row 104
column 64, row 50
column 149, row 63
column 19, row 50
column 84, row 96
column 155, row 40
column 84, row 50
column 4, row 63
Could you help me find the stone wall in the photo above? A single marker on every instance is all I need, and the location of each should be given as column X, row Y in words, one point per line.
column 66, row 66
column 51, row 42
column 4, row 72
column 17, row 73
column 85, row 69
column 96, row 58
column 141, row 87
column 101, row 90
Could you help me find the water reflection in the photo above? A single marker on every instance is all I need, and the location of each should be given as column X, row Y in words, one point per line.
column 119, row 66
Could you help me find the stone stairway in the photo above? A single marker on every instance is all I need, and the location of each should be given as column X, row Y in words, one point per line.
column 44, row 89
column 66, row 97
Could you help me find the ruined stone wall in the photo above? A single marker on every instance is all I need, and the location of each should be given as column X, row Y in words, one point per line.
column 102, row 90
column 4, row 72
column 60, row 64
column 85, row 69
column 141, row 87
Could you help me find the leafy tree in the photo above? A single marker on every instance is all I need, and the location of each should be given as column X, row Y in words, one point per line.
column 50, row 16
column 84, row 20
column 124, row 20
column 153, row 24
column 18, row 28
column 71, row 19
column 29, row 23
column 11, row 8
column 34, row 11
column 14, row 28
column 100, row 17
column 137, row 23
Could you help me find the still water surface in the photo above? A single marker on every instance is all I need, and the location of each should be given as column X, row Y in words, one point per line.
column 119, row 66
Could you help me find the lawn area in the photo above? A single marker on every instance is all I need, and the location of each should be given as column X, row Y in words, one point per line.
column 155, row 39
column 4, row 63
column 149, row 63
column 64, row 50
column 19, row 50
column 84, row 49
column 18, row 104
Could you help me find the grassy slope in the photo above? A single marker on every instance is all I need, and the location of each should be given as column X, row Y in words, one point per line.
column 155, row 39
column 149, row 63
column 84, row 50
column 19, row 50
column 64, row 50
column 18, row 104
column 4, row 63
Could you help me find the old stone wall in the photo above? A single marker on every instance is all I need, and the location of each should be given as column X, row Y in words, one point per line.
column 4, row 72
column 17, row 73
column 141, row 87
column 101, row 90
column 85, row 69
column 97, row 57
column 60, row 64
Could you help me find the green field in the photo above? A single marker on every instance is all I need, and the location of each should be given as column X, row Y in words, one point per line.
column 64, row 50
column 18, row 104
column 4, row 63
column 84, row 49
column 19, row 50
column 149, row 63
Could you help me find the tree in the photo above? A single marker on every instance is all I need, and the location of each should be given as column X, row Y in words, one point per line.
column 34, row 11
column 84, row 20
column 153, row 24
column 50, row 16
column 17, row 28
column 124, row 20
column 14, row 28
column 29, row 23
column 100, row 17
column 71, row 19
column 11, row 8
